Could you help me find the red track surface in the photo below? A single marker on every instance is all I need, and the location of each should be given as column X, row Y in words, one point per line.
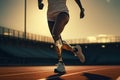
column 73, row 73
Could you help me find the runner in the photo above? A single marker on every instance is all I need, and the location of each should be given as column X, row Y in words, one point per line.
column 58, row 17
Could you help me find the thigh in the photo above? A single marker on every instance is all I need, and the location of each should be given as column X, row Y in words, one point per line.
column 60, row 22
column 62, row 19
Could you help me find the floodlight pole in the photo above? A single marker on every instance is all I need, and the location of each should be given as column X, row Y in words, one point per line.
column 25, row 16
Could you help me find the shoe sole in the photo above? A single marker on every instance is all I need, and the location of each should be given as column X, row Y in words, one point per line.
column 80, row 54
column 56, row 71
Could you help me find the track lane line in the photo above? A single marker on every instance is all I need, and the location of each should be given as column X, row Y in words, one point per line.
column 69, row 74
column 22, row 73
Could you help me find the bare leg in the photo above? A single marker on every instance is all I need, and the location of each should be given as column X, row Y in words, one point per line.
column 67, row 47
column 60, row 23
column 56, row 29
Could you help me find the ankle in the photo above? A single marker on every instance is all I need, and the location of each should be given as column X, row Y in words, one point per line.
column 60, row 61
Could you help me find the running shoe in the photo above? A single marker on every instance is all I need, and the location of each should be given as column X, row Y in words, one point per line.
column 60, row 68
column 79, row 54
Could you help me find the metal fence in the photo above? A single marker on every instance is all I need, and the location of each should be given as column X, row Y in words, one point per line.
column 35, row 37
column 20, row 34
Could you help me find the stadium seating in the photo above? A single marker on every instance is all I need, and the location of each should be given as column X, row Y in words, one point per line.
column 15, row 51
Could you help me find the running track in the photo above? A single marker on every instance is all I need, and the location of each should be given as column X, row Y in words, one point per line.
column 73, row 73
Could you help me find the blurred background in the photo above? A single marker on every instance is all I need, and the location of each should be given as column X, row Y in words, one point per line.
column 25, row 38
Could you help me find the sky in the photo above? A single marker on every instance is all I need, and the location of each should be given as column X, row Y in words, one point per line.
column 101, row 17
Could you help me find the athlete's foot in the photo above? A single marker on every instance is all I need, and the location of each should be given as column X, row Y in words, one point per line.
column 78, row 52
column 60, row 68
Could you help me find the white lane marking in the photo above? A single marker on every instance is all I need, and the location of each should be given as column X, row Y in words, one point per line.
column 22, row 73
column 74, row 73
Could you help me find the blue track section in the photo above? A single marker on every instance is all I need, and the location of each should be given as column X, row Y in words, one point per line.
column 16, row 51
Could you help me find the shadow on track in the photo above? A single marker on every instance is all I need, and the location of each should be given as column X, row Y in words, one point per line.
column 55, row 77
column 95, row 77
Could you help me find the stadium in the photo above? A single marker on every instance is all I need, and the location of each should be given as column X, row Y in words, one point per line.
column 39, row 50
column 25, row 55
